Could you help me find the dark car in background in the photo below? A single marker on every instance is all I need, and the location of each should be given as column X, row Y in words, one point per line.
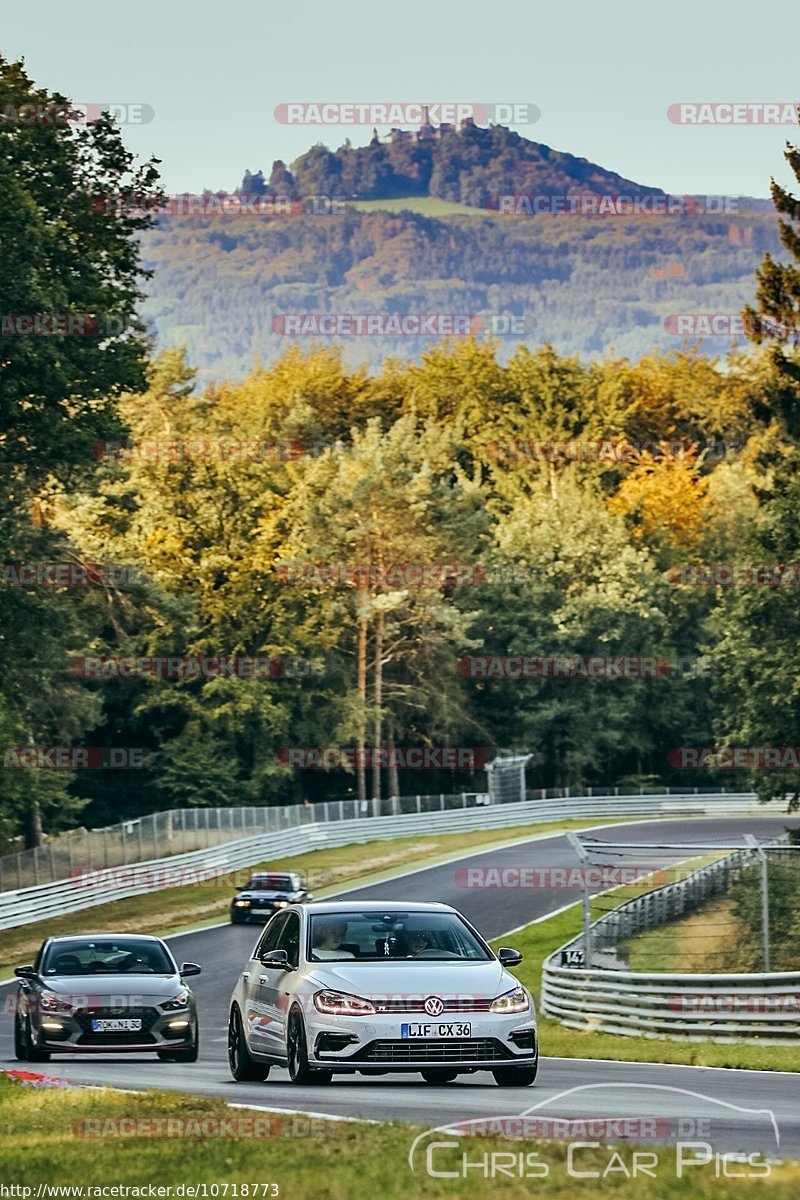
column 265, row 893
column 118, row 993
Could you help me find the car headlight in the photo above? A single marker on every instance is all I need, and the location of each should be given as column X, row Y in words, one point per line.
column 51, row 1003
column 511, row 1002
column 281, row 903
column 180, row 1000
column 241, row 903
column 342, row 1004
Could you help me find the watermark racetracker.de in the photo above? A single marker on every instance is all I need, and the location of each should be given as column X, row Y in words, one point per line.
column 73, row 758
column 399, row 113
column 735, row 758
column 405, row 758
column 71, row 112
column 402, row 325
column 733, row 112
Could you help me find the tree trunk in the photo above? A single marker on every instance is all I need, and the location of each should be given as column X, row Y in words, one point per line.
column 378, row 696
column 362, row 695
column 394, row 782
column 33, row 830
column 33, row 822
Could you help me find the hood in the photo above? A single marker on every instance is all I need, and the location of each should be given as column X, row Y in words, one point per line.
column 92, row 989
column 407, row 978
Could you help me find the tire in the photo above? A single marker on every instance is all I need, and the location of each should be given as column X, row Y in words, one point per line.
column 243, row 1068
column 515, row 1076
column 438, row 1075
column 297, row 1055
column 186, row 1054
column 20, row 1044
column 33, row 1053
column 237, row 920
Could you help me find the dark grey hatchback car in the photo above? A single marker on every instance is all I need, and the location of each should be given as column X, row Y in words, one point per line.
column 118, row 993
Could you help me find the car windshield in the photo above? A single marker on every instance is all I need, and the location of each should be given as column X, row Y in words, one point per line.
column 107, row 956
column 272, row 883
column 393, row 935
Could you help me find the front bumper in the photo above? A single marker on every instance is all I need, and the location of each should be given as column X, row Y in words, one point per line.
column 255, row 912
column 376, row 1043
column 72, row 1032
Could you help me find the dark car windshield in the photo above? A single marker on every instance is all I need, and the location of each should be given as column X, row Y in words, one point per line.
column 272, row 883
column 107, row 956
column 392, row 935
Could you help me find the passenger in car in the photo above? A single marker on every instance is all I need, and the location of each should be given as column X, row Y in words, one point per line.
column 328, row 941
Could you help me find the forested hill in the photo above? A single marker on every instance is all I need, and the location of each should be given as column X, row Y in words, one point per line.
column 224, row 283
column 470, row 165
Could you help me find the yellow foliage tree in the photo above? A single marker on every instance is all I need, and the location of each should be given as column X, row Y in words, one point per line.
column 664, row 501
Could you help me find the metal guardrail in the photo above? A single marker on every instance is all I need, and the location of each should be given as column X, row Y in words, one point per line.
column 719, row 1008
column 736, row 1007
column 27, row 905
column 177, row 831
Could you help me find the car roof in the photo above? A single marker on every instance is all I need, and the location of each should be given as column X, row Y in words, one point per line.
column 107, row 937
column 323, row 906
column 273, row 874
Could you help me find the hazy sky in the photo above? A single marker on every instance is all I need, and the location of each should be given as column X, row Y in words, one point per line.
column 603, row 77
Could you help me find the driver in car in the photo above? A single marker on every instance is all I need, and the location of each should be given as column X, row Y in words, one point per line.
column 418, row 942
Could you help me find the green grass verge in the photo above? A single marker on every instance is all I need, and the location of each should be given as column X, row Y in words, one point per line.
column 536, row 941
column 174, row 909
column 42, row 1144
column 707, row 940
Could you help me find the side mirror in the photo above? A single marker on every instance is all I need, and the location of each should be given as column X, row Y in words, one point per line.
column 190, row 969
column 509, row 957
column 275, row 958
column 26, row 973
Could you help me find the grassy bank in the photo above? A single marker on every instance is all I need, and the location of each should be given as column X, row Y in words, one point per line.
column 45, row 1142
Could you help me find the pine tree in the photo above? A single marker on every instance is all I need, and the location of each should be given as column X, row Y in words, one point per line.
column 776, row 318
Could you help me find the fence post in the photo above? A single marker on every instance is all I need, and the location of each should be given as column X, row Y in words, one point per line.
column 579, row 849
column 759, row 849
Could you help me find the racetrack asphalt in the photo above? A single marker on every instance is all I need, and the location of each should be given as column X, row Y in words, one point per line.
column 734, row 1104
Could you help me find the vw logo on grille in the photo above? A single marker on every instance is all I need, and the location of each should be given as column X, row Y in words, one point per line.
column 434, row 1007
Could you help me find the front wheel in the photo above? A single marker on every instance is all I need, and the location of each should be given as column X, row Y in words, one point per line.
column 186, row 1054
column 438, row 1076
column 33, row 1053
column 20, row 1047
column 297, row 1055
column 243, row 1068
column 515, row 1076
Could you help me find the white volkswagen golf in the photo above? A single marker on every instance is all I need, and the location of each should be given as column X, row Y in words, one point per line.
column 376, row 987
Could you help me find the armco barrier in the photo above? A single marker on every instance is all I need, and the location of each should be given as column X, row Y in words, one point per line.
column 24, row 906
column 181, row 830
column 694, row 1008
column 753, row 1007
